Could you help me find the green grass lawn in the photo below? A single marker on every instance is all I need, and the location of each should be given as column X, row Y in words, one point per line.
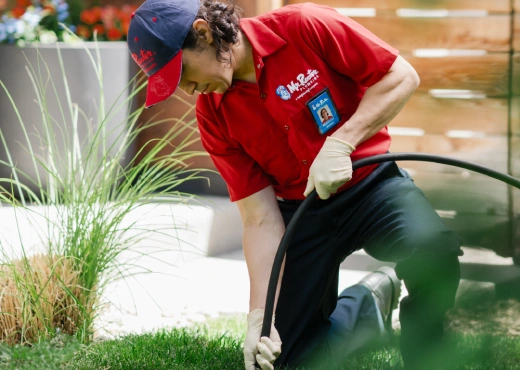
column 217, row 345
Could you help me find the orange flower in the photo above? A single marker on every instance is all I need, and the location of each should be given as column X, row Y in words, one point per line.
column 89, row 16
column 17, row 11
column 114, row 34
column 83, row 31
column 99, row 28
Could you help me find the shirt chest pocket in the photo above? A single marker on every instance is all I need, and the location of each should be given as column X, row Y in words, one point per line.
column 276, row 158
column 306, row 126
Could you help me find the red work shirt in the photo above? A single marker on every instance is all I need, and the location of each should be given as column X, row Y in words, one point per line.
column 264, row 134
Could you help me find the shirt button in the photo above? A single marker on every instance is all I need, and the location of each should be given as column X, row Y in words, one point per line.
column 286, row 128
column 258, row 66
column 304, row 162
column 263, row 95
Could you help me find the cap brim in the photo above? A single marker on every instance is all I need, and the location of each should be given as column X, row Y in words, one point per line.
column 163, row 83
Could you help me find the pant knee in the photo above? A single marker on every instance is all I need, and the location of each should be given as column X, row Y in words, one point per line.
column 432, row 280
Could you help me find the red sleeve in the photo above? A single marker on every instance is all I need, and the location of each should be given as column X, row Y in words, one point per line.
column 345, row 45
column 242, row 174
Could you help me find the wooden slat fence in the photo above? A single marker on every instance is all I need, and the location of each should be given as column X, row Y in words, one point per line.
column 463, row 108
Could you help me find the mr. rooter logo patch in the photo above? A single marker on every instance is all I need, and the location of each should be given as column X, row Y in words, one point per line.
column 305, row 82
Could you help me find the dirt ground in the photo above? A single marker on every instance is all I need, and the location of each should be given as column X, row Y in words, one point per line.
column 478, row 310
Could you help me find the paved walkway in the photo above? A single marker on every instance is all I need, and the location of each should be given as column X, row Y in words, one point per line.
column 209, row 286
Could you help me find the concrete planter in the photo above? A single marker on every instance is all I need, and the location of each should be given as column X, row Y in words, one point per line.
column 117, row 67
column 177, row 231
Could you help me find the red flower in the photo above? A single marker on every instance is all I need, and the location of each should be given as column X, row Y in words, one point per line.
column 97, row 11
column 17, row 12
column 114, row 34
column 89, row 16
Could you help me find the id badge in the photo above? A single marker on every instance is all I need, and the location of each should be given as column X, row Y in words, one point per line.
column 324, row 111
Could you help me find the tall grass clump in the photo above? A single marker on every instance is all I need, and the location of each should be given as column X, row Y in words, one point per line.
column 84, row 189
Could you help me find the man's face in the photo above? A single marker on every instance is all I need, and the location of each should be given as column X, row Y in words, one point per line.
column 203, row 73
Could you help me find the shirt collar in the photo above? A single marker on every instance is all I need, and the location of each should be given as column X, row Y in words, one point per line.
column 263, row 41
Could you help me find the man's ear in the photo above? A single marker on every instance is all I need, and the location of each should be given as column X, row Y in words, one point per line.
column 203, row 30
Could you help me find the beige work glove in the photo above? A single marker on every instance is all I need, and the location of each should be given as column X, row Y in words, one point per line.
column 331, row 168
column 262, row 350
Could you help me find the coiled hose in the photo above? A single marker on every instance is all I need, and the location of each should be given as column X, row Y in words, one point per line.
column 289, row 231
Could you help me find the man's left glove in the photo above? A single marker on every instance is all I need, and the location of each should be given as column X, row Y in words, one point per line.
column 331, row 168
column 262, row 350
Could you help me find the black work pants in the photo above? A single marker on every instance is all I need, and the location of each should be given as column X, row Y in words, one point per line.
column 390, row 218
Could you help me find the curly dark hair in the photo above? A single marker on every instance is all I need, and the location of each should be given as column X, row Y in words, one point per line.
column 224, row 21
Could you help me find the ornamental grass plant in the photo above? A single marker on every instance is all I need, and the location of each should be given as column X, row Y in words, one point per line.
column 79, row 203
column 48, row 282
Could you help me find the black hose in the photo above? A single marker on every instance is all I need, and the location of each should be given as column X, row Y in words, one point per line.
column 289, row 231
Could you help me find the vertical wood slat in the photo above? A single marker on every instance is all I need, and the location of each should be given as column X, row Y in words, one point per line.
column 515, row 115
column 516, row 74
column 515, row 156
column 516, row 30
column 493, row 6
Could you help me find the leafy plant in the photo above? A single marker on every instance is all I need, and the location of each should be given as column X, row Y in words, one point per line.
column 85, row 190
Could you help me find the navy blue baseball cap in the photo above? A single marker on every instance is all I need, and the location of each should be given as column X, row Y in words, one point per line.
column 156, row 34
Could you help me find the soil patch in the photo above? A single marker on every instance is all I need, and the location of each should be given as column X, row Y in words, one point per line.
column 479, row 311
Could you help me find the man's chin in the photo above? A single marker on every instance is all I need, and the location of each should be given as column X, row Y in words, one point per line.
column 220, row 91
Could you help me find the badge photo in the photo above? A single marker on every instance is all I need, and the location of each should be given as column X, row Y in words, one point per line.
column 324, row 111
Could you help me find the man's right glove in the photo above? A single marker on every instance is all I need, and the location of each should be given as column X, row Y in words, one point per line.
column 262, row 350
